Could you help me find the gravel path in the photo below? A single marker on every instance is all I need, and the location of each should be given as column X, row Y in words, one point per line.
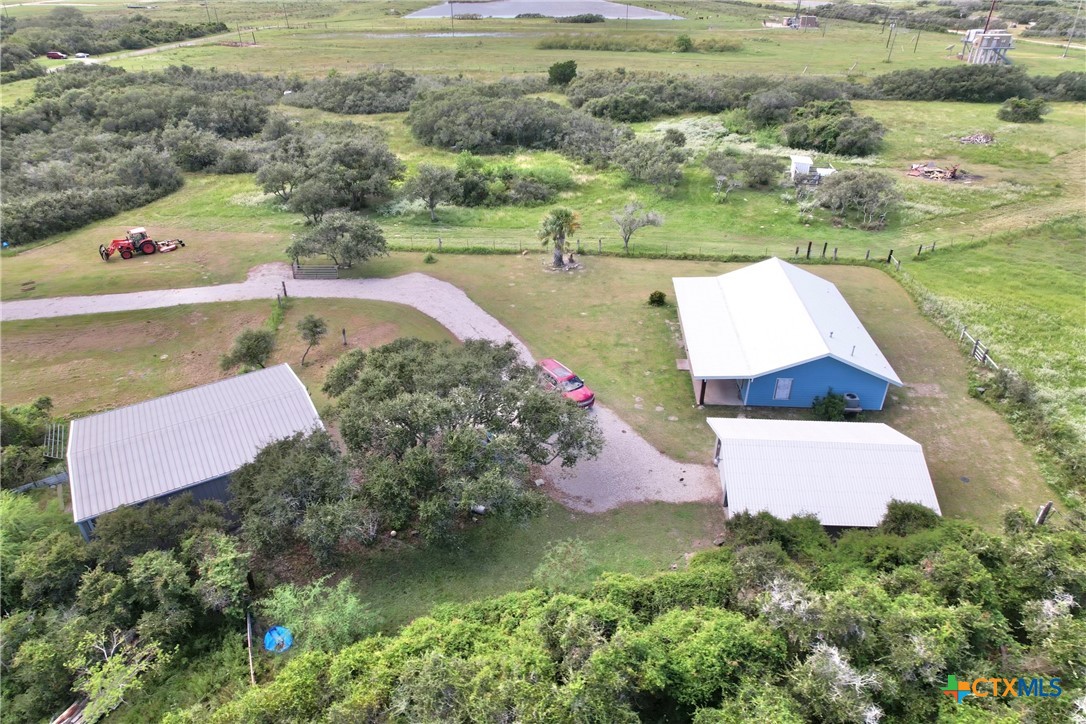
column 629, row 470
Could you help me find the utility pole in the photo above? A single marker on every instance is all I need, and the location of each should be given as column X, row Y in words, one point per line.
column 452, row 17
column 1074, row 26
column 989, row 20
column 917, row 40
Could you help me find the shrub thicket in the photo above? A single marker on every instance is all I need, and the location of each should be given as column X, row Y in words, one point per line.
column 1022, row 110
column 780, row 624
column 95, row 141
column 641, row 42
column 583, row 19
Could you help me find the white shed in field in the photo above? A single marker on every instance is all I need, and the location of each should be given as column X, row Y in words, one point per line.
column 801, row 166
column 843, row 473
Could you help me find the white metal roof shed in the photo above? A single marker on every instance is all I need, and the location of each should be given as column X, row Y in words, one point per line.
column 768, row 317
column 161, row 446
column 844, row 473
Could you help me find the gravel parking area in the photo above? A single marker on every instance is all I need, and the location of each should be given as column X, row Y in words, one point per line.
column 629, row 470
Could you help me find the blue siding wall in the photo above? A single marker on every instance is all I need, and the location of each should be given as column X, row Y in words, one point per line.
column 813, row 379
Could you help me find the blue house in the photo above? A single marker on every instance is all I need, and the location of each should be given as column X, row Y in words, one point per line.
column 773, row 335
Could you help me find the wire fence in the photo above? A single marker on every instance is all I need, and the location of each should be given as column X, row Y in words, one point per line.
column 669, row 249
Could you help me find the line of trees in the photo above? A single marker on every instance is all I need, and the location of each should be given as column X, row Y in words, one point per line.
column 781, row 624
column 96, row 140
column 69, row 30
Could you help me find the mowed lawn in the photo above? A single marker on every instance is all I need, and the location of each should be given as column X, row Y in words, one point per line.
column 91, row 363
column 226, row 227
column 597, row 320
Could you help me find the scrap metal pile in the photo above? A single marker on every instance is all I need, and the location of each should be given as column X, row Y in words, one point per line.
column 979, row 139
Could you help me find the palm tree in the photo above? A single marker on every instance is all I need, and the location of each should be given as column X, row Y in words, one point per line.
column 555, row 226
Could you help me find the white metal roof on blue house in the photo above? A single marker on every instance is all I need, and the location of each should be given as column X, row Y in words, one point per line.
column 768, row 317
column 844, row 473
column 170, row 443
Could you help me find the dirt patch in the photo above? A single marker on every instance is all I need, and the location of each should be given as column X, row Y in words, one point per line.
column 924, row 389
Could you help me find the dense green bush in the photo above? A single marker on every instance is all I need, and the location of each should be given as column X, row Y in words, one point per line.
column 475, row 119
column 1022, row 110
column 833, row 127
column 373, row 91
column 966, row 83
column 640, row 42
column 562, row 73
column 814, row 634
column 830, row 407
column 583, row 18
column 91, row 142
column 69, row 30
column 661, row 94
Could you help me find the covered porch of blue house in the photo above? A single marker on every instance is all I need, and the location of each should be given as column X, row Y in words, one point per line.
column 719, row 391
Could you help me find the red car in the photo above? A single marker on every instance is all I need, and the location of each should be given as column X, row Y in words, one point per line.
column 55, row 55
column 556, row 376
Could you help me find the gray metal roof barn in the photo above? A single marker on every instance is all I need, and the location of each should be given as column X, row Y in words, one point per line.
column 187, row 441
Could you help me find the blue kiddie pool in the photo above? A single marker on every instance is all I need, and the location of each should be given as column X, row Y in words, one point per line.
column 278, row 639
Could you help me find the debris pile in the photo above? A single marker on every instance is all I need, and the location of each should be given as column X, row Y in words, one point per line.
column 932, row 172
column 978, row 139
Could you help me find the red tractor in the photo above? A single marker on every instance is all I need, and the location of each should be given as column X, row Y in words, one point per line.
column 137, row 241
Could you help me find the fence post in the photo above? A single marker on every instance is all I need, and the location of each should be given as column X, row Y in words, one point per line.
column 962, row 335
column 898, row 262
column 278, row 299
column 284, row 290
column 797, row 251
column 439, row 243
column 600, row 246
column 344, row 336
column 920, row 250
column 835, row 253
column 933, row 246
column 824, row 247
column 867, row 256
column 809, row 249
column 890, row 256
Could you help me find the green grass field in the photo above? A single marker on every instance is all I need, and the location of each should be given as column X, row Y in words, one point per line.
column 350, row 37
column 596, row 320
column 1033, row 171
column 1022, row 295
column 97, row 362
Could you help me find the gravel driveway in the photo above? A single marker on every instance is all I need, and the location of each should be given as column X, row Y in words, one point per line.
column 629, row 470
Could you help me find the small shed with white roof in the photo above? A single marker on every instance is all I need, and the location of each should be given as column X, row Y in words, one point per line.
column 187, row 442
column 843, row 473
column 772, row 334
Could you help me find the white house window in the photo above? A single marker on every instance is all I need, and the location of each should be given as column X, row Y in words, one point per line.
column 783, row 388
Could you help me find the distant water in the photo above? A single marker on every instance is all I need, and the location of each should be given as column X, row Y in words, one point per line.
column 550, row 8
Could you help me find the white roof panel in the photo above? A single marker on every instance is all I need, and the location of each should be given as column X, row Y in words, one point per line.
column 160, row 446
column 767, row 317
column 844, row 473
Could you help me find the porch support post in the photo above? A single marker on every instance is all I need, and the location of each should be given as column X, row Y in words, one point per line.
column 701, row 395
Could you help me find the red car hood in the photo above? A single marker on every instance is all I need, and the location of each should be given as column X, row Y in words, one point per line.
column 580, row 395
